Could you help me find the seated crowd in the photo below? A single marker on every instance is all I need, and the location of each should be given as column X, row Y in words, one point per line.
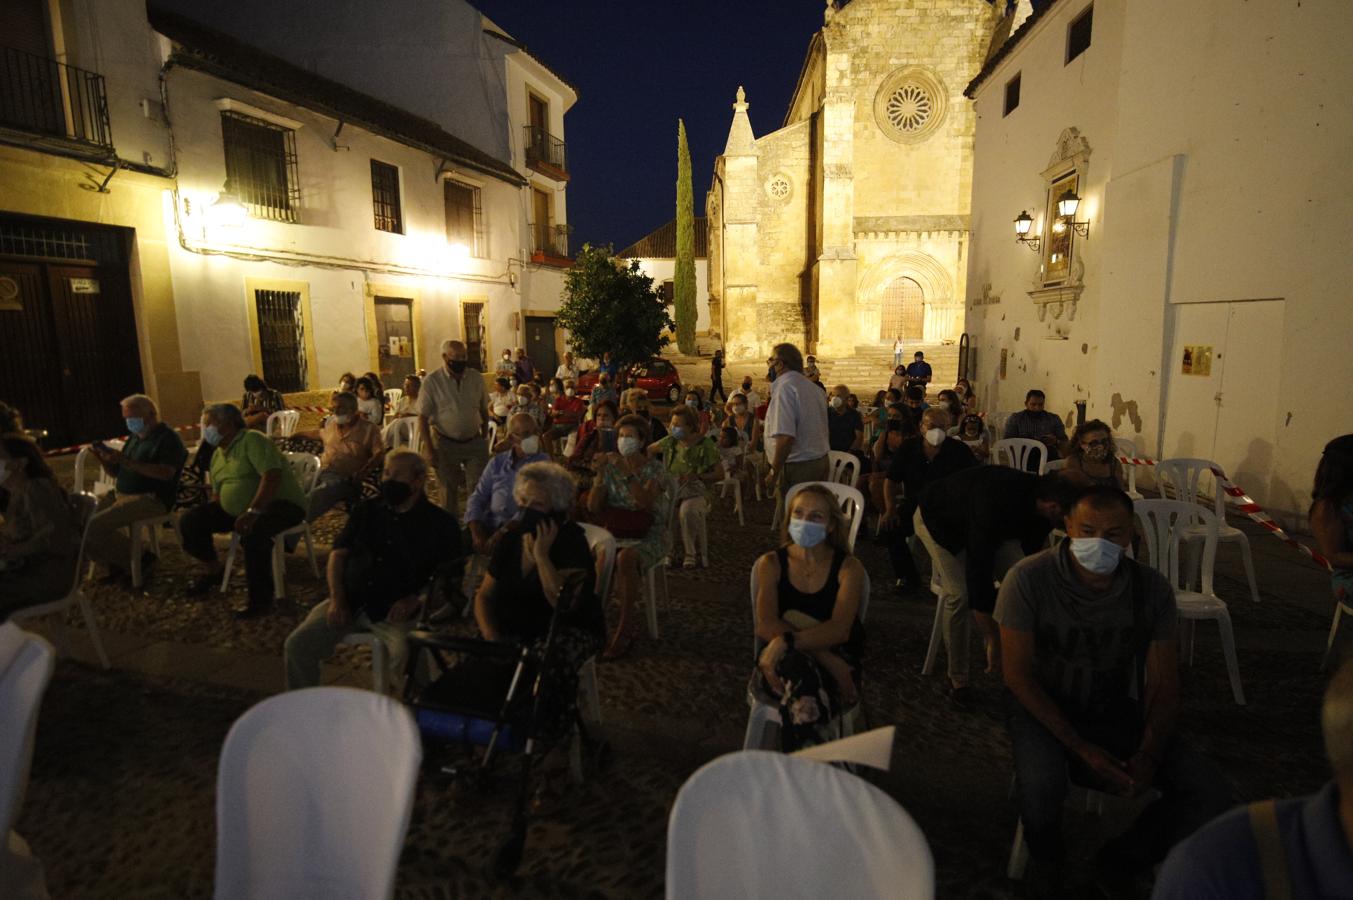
column 1081, row 634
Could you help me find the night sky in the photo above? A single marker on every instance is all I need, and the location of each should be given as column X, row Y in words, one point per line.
column 638, row 68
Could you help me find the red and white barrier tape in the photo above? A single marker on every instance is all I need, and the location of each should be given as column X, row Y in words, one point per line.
column 1245, row 503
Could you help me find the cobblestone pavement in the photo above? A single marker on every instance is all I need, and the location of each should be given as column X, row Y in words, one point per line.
column 122, row 793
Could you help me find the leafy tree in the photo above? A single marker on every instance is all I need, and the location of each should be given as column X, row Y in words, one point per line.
column 609, row 306
column 683, row 283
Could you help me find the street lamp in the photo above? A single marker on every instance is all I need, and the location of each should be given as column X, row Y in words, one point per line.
column 1023, row 222
column 228, row 210
column 1067, row 204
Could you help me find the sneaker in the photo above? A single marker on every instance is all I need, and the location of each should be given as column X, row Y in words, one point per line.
column 688, row 563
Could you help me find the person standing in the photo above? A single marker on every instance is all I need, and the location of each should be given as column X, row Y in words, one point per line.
column 525, row 369
column 454, row 406
column 919, row 372
column 147, row 470
column 254, row 494
column 796, row 426
column 897, row 352
column 716, row 378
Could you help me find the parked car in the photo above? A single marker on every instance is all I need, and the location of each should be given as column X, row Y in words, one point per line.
column 658, row 378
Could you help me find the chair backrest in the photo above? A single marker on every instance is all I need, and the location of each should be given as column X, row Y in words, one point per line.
column 26, row 663
column 763, row 824
column 82, row 507
column 1056, row 465
column 102, row 482
column 602, row 544
column 313, row 796
column 1180, row 479
column 393, row 396
column 1126, row 447
column 862, row 613
column 845, row 467
column 850, row 499
column 404, row 433
column 305, row 466
column 493, row 434
column 283, row 422
column 1014, row 452
column 1161, row 524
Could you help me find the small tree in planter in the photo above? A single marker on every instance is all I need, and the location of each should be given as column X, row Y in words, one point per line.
column 611, row 307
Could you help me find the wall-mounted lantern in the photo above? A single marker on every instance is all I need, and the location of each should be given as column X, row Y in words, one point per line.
column 1023, row 222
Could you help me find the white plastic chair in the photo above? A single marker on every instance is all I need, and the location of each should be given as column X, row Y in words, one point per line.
column 493, row 436
column 1340, row 610
column 1163, row 525
column 655, row 576
column 26, row 664
column 82, row 510
column 393, row 396
column 305, row 466
column 735, row 483
column 1179, row 478
column 289, row 827
column 762, row 714
column 404, row 433
column 1014, row 452
column 380, row 659
column 1126, row 447
column 603, row 546
column 759, row 824
column 850, row 499
column 283, row 422
column 104, row 483
column 845, row 467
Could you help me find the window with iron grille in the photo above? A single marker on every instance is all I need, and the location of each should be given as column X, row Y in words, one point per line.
column 464, row 216
column 281, row 338
column 260, row 160
column 385, row 197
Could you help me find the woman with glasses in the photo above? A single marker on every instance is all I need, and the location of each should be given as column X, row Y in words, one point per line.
column 1093, row 454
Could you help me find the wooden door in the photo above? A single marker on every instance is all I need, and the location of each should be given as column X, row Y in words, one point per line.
column 474, row 333
column 394, row 340
column 903, row 311
column 29, row 365
column 540, row 344
column 540, row 202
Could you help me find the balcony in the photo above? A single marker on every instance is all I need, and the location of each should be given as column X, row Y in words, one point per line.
column 549, row 245
column 545, row 153
column 53, row 105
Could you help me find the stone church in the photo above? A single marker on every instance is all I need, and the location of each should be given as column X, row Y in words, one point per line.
column 849, row 225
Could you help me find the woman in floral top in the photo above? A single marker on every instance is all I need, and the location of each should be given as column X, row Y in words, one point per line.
column 693, row 460
column 629, row 480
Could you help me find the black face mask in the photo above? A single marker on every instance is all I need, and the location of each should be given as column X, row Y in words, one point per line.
column 746, row 385
column 456, row 365
column 532, row 519
column 395, row 493
column 770, row 374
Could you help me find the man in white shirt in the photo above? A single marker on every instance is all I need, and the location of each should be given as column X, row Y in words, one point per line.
column 453, row 405
column 753, row 398
column 568, row 370
column 796, row 426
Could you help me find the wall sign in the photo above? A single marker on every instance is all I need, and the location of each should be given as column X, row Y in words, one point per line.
column 84, row 285
column 9, row 294
column 1197, row 360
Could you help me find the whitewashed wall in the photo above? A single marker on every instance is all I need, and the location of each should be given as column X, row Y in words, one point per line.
column 661, row 270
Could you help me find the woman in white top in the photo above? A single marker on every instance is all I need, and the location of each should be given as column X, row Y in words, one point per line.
column 502, row 401
column 370, row 402
column 567, row 371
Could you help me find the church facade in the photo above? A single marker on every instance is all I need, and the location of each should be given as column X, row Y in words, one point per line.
column 848, row 226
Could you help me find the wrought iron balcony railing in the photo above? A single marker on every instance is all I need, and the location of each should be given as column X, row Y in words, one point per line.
column 550, row 241
column 44, row 97
column 545, row 152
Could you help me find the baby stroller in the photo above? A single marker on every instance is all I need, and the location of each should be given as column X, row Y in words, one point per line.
column 469, row 693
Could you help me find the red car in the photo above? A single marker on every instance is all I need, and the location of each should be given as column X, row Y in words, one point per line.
column 658, row 378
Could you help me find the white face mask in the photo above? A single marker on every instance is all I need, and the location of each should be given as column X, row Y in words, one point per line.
column 838, row 402
column 628, row 446
column 1096, row 554
column 739, row 410
column 530, row 445
column 342, row 418
column 569, row 392
column 693, row 403
column 935, row 436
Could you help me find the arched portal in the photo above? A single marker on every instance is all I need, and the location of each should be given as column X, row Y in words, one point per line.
column 903, row 311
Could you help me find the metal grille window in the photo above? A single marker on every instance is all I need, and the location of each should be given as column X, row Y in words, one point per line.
column 385, row 197
column 464, row 216
column 281, row 339
column 59, row 240
column 260, row 160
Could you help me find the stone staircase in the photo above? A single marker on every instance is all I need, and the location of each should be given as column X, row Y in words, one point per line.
column 869, row 369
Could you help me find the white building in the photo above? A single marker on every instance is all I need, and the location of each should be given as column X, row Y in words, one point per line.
column 656, row 253
column 445, row 62
column 1203, row 313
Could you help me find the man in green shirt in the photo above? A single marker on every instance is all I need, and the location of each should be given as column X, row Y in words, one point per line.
column 253, row 494
column 147, row 470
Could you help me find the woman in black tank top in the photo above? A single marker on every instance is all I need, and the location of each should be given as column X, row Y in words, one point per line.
column 807, row 620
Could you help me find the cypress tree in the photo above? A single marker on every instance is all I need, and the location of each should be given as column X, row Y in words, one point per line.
column 683, row 283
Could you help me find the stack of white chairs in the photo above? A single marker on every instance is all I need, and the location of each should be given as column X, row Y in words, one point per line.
column 759, row 824
column 104, row 483
column 1179, row 479
column 1015, row 452
column 305, row 466
column 26, row 664
column 289, row 828
column 82, row 510
column 282, row 424
column 1164, row 525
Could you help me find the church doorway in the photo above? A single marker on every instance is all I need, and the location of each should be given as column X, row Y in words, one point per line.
column 903, row 311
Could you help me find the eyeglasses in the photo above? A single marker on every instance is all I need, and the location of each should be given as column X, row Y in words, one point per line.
column 1102, row 442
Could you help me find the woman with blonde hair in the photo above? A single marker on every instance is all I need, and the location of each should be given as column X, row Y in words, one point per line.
column 808, row 596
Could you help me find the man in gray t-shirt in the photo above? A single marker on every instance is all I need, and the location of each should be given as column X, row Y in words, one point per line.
column 1077, row 622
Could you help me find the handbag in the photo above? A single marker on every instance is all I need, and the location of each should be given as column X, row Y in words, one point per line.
column 627, row 524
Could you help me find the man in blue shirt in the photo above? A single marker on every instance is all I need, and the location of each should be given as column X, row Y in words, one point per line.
column 1298, row 847
column 492, row 505
column 1037, row 424
column 919, row 371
